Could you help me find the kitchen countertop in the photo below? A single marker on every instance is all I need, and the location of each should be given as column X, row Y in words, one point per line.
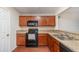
column 71, row 44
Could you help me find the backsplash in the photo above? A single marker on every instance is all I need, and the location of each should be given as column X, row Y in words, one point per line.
column 40, row 28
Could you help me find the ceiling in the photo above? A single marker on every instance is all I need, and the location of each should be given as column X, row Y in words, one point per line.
column 38, row 10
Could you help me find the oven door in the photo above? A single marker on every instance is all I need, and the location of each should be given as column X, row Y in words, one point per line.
column 32, row 40
column 31, row 36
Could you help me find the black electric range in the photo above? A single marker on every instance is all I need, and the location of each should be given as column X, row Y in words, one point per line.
column 32, row 38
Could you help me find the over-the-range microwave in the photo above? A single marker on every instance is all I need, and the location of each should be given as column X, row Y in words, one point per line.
column 32, row 23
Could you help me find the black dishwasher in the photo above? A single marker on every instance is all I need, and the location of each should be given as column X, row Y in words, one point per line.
column 63, row 48
column 32, row 38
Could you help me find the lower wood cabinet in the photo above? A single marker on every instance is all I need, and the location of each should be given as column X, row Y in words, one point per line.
column 53, row 44
column 42, row 39
column 20, row 39
column 56, row 46
column 50, row 42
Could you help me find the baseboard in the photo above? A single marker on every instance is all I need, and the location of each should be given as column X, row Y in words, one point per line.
column 13, row 49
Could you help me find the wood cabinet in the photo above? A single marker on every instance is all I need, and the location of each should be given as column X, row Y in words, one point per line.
column 53, row 44
column 42, row 39
column 47, row 21
column 22, row 21
column 51, row 21
column 28, row 18
column 43, row 21
column 20, row 39
column 50, row 43
column 56, row 46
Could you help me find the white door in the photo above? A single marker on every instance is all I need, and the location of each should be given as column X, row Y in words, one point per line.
column 4, row 30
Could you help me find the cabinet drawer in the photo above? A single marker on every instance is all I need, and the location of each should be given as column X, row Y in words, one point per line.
column 20, row 34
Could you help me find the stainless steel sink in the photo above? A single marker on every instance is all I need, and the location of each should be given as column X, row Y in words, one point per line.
column 65, row 37
column 61, row 37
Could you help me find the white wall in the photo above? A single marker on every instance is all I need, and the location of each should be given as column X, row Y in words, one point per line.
column 69, row 20
column 56, row 27
column 14, row 16
column 14, row 25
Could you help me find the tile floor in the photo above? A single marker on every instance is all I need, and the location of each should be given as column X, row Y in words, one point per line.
column 32, row 49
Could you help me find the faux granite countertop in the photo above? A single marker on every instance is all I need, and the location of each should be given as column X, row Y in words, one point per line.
column 71, row 44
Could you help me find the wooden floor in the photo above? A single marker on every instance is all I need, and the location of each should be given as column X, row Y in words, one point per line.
column 32, row 49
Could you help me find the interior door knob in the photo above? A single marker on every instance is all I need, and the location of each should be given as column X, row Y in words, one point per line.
column 7, row 35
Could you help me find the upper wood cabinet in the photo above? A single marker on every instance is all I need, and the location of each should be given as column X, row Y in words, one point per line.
column 22, row 21
column 43, row 21
column 51, row 20
column 47, row 21
column 30, row 18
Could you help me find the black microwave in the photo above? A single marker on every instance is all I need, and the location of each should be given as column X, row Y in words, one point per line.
column 32, row 23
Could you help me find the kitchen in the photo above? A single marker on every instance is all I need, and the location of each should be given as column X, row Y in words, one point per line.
column 42, row 29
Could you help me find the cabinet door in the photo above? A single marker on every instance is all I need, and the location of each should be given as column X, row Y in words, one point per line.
column 43, row 21
column 20, row 40
column 51, row 45
column 51, row 21
column 47, row 21
column 30, row 18
column 56, row 46
column 49, row 41
column 22, row 21
column 42, row 39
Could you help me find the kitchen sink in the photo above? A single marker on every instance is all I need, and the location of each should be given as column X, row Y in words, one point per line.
column 65, row 37
column 61, row 37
